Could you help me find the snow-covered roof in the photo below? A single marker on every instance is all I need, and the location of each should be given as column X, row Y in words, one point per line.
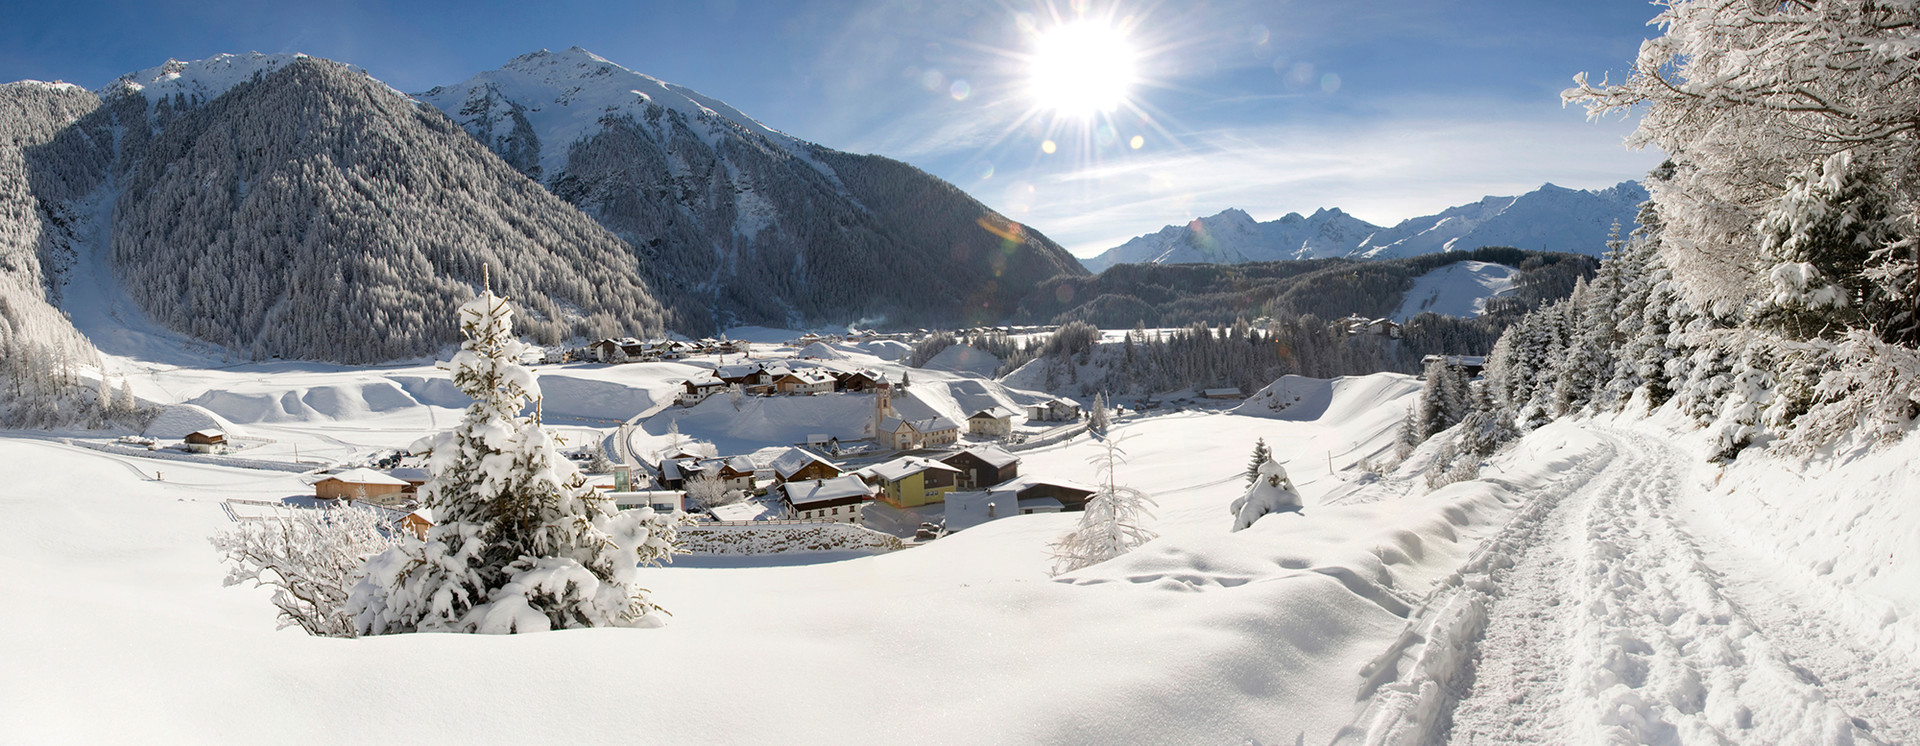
column 969, row 509
column 823, row 490
column 1228, row 391
column 741, row 464
column 1041, row 505
column 410, row 474
column 996, row 412
column 738, row 370
column 209, row 433
column 792, row 460
column 905, row 466
column 995, row 456
column 745, row 510
column 935, row 424
column 813, row 377
column 361, row 476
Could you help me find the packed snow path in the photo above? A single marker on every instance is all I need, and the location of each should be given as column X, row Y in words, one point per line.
column 1604, row 622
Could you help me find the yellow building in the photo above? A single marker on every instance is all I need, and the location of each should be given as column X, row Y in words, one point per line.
column 912, row 481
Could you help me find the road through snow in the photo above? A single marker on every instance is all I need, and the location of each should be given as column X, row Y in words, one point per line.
column 1601, row 620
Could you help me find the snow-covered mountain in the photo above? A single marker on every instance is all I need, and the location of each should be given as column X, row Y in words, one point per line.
column 739, row 222
column 1551, row 218
column 283, row 205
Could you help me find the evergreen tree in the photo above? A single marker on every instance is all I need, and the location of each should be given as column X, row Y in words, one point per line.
column 1261, row 455
column 523, row 543
column 1816, row 244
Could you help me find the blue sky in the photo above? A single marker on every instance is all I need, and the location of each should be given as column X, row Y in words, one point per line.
column 1388, row 109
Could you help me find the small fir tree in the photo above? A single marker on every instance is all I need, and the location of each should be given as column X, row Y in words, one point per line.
column 1261, row 455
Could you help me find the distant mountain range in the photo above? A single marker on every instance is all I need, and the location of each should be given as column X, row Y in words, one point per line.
column 1550, row 218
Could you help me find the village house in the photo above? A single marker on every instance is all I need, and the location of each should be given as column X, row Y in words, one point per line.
column 1041, row 495
column 804, row 382
column 911, row 481
column 619, row 350
column 1055, row 410
column 414, row 477
column 836, row 500
column 797, row 464
column 857, row 380
column 359, row 484
column 1229, row 392
column 982, row 466
column 698, row 389
column 418, row 522
column 736, row 473
column 994, row 421
column 206, row 441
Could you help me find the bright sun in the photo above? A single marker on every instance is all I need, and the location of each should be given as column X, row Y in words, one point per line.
column 1081, row 69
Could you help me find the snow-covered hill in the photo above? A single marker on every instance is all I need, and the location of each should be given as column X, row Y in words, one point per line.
column 1550, row 218
column 1459, row 289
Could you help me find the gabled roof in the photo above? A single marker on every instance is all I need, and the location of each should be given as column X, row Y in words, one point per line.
column 905, row 466
column 211, row 432
column 808, row 376
column 995, row 456
column 823, row 490
column 935, row 424
column 995, row 412
column 792, row 460
column 361, row 476
column 740, row 464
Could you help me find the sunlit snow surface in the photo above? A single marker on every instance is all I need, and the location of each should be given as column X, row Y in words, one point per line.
column 1202, row 636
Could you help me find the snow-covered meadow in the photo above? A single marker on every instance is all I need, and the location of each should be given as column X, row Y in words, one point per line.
column 1340, row 622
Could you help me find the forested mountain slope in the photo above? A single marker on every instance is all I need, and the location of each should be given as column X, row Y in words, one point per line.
column 45, row 163
column 313, row 212
column 1181, row 294
column 739, row 223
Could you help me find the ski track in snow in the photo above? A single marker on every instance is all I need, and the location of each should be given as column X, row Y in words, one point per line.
column 1599, row 619
column 1878, row 684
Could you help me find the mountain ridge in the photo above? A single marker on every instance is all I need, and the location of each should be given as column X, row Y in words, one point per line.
column 1550, row 218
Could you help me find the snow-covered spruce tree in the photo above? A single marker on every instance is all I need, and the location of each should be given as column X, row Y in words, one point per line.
column 523, row 544
column 1741, row 95
column 1099, row 420
column 1816, row 244
column 1111, row 525
column 1261, row 454
column 1270, row 492
column 310, row 558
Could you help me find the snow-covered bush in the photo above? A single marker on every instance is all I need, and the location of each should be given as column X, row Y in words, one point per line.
column 1271, row 492
column 523, row 543
column 1111, row 525
column 311, row 558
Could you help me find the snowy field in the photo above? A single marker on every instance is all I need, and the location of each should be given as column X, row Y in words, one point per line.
column 1600, row 583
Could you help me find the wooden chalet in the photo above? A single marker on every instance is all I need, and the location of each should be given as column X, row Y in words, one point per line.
column 209, row 440
column 982, row 466
column 836, row 500
column 804, row 382
column 359, row 484
column 798, row 464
